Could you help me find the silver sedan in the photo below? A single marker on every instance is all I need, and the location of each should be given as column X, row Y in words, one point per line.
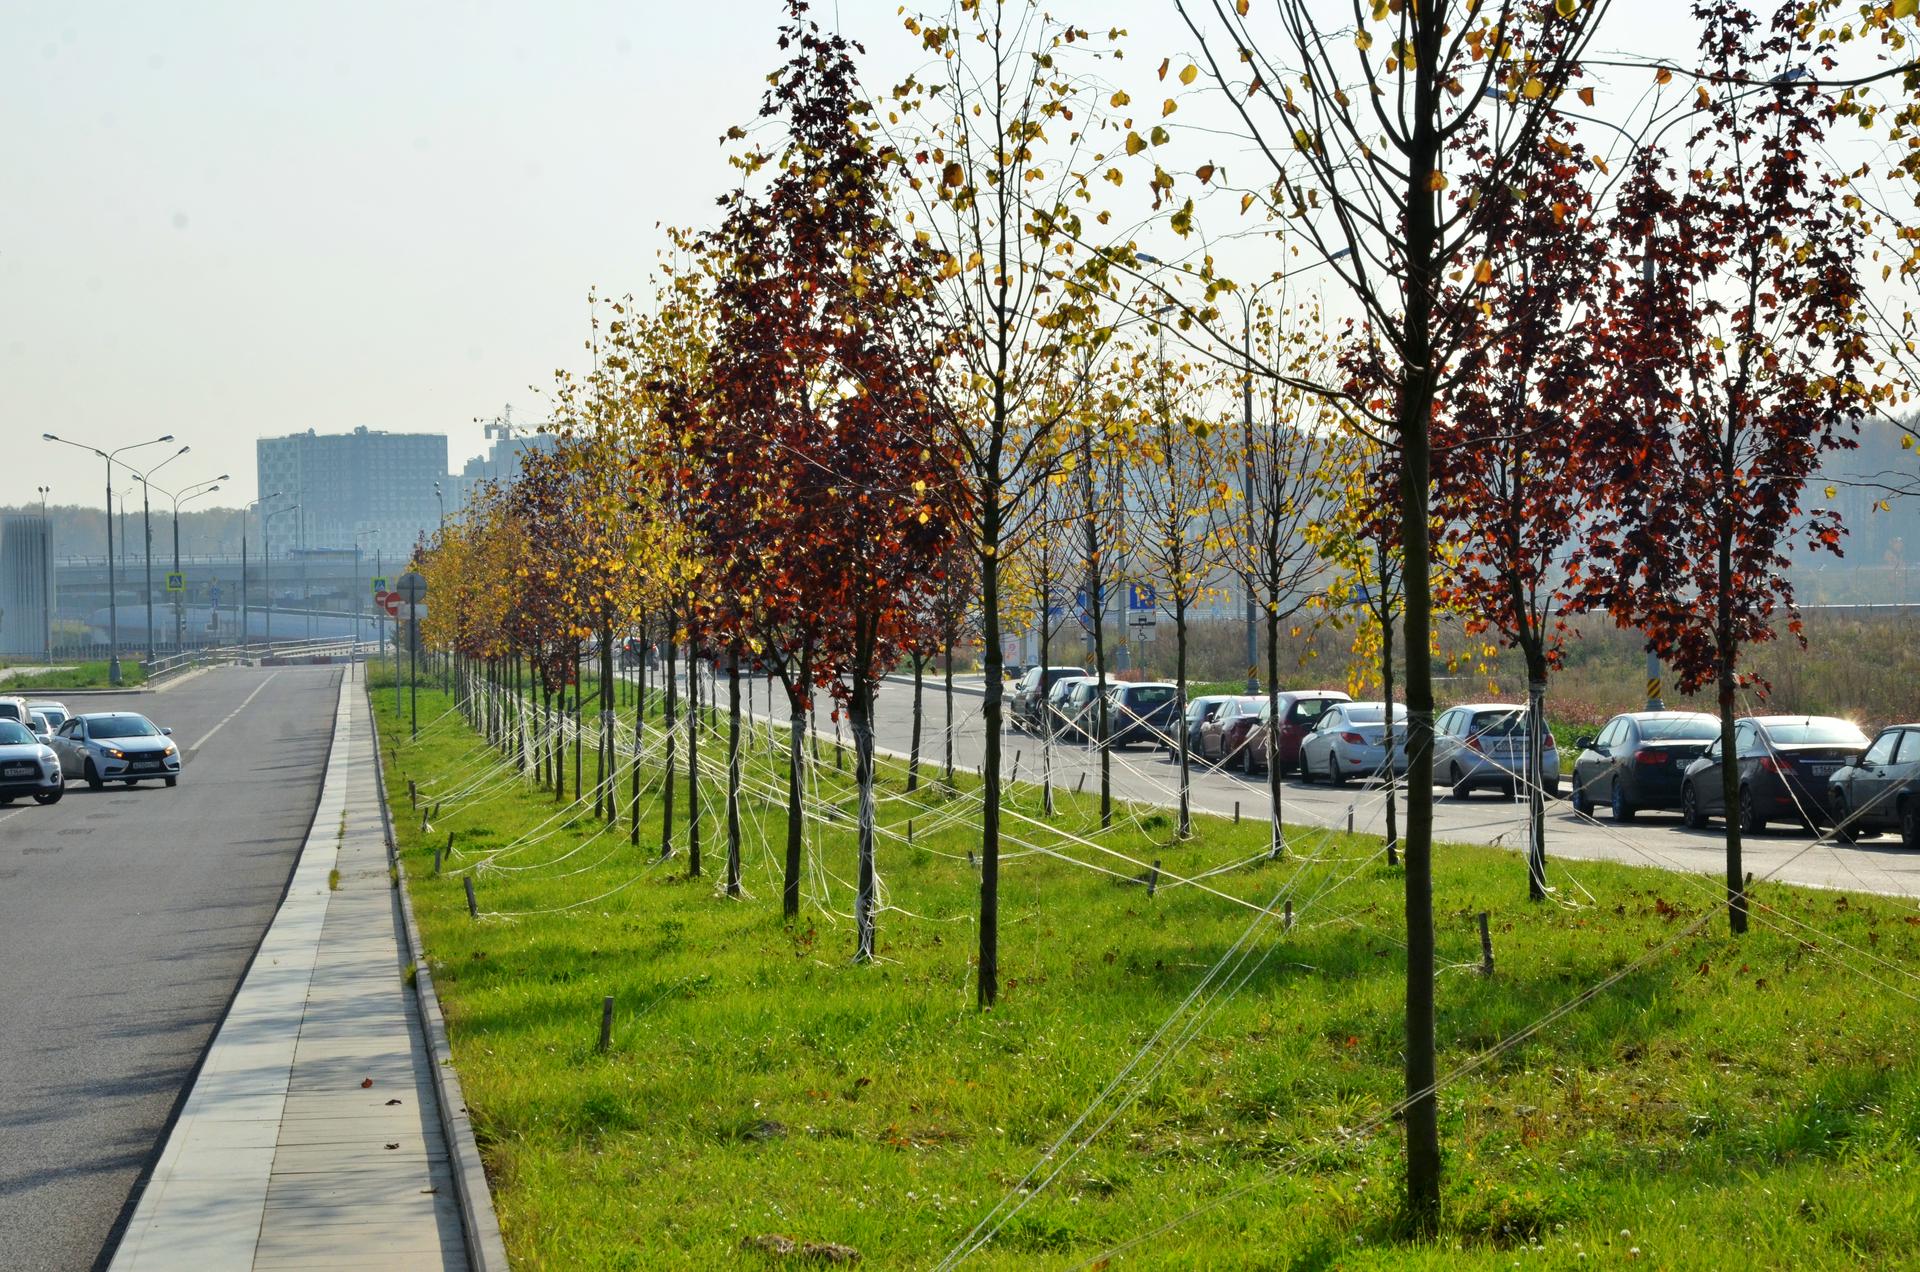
column 1351, row 738
column 116, row 746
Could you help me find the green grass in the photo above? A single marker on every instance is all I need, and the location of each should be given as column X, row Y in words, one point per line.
column 86, row 675
column 1730, row 1104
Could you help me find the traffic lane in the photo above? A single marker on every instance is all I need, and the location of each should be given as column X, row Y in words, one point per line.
column 1139, row 773
column 127, row 917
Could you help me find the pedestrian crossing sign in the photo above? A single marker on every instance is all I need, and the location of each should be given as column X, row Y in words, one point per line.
column 176, row 581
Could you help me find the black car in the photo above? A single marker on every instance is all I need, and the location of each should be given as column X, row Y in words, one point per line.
column 1881, row 789
column 1030, row 694
column 1141, row 713
column 1785, row 762
column 1639, row 760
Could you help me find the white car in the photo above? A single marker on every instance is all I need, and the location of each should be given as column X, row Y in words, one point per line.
column 27, row 766
column 1350, row 738
column 116, row 746
column 56, row 712
column 1485, row 744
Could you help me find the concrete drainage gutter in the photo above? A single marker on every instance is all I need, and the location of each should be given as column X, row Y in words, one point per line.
column 486, row 1249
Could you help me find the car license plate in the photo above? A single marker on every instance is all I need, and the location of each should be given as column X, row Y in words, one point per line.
column 20, row 770
column 1821, row 770
column 145, row 764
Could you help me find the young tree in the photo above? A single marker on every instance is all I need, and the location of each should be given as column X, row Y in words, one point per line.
column 1356, row 123
column 1000, row 151
column 1177, row 498
column 1750, row 366
column 1510, row 488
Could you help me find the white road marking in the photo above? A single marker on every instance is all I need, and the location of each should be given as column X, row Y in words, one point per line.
column 195, row 748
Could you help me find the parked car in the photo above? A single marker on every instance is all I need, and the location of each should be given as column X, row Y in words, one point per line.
column 27, row 766
column 116, row 746
column 1140, row 712
column 1030, row 693
column 1223, row 739
column 42, row 731
column 15, row 709
column 1055, row 707
column 1881, row 789
column 1300, row 710
column 1350, row 738
column 1080, row 710
column 56, row 712
column 1485, row 744
column 1199, row 712
column 1639, row 760
column 1785, row 764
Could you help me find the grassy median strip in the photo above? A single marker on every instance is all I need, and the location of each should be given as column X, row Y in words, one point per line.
column 86, row 675
column 1727, row 1104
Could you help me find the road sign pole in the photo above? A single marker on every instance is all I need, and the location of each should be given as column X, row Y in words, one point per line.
column 413, row 664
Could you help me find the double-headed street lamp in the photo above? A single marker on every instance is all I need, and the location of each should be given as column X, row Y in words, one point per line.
column 185, row 495
column 146, row 531
column 246, row 612
column 266, row 563
column 113, row 603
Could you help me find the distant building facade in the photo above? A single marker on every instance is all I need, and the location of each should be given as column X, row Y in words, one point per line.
column 26, row 610
column 507, row 448
column 368, row 486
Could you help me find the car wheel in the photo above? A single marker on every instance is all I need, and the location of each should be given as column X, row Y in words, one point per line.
column 1333, row 770
column 1582, row 806
column 1552, row 784
column 1752, row 821
column 1910, row 823
column 1690, row 814
column 48, row 797
column 1306, row 770
column 173, row 781
column 5, row 800
column 133, row 781
column 93, row 777
column 1843, row 831
column 1620, row 806
column 1460, row 788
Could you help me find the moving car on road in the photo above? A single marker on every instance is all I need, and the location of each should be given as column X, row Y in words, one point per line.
column 1882, row 788
column 1223, row 738
column 15, row 709
column 27, row 766
column 1785, row 764
column 1300, row 710
column 1485, row 744
column 1139, row 712
column 116, row 746
column 1638, row 760
column 42, row 730
column 1350, row 738
column 1030, row 693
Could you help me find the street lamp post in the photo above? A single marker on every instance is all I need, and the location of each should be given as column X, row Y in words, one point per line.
column 185, row 494
column 146, row 531
column 246, row 610
column 113, row 603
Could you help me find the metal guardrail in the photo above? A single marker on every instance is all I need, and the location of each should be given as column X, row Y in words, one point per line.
column 174, row 664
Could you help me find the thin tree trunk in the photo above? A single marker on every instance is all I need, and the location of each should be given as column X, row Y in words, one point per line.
column 1180, row 677
column 667, row 724
column 1536, row 776
column 579, row 727
column 603, row 804
column 1386, row 691
column 1730, row 796
column 913, row 752
column 733, row 773
column 946, row 730
column 988, row 989
column 693, row 763
column 865, row 903
column 796, row 824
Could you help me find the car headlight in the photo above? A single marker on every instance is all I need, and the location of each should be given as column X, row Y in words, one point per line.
column 113, row 753
column 170, row 749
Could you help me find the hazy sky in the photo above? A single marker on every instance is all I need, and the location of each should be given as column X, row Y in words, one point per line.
column 227, row 219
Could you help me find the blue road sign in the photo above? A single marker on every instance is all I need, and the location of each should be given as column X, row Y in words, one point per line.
column 213, row 594
column 1141, row 596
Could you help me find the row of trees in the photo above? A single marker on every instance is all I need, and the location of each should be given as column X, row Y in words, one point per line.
column 917, row 380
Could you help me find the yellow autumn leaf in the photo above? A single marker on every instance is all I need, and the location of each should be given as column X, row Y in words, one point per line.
column 1533, row 88
column 1135, row 143
column 1905, row 8
column 1362, row 40
column 1436, row 180
column 1483, row 273
column 1167, row 108
column 1158, row 136
column 1566, row 8
column 1830, row 492
column 1120, row 98
column 1204, row 172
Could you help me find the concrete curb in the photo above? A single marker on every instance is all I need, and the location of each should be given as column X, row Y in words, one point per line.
column 934, row 685
column 486, row 1248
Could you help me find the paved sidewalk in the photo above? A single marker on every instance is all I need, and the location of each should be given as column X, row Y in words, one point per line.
column 312, row 1137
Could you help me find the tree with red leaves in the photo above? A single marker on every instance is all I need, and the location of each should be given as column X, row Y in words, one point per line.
column 1509, row 489
column 817, row 461
column 1736, row 362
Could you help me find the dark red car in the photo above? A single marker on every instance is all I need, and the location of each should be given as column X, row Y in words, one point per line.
column 1223, row 737
column 1299, row 711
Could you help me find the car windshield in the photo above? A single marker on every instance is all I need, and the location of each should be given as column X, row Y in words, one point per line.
column 1367, row 713
column 1684, row 729
column 1816, row 730
column 1499, row 724
column 121, row 726
column 12, row 733
column 1153, row 695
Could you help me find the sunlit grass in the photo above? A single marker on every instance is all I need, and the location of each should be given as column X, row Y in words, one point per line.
column 1728, row 1104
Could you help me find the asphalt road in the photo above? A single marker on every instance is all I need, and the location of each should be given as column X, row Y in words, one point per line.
column 127, row 917
column 1651, row 839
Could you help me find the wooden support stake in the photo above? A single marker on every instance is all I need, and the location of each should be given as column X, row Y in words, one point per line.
column 1236, row 812
column 1349, row 819
column 606, row 1023
column 1153, row 877
column 436, row 863
column 1286, row 919
column 473, row 903
column 970, row 861
column 436, row 810
column 1014, row 776
column 909, row 832
column 413, row 794
column 423, row 821
column 1081, row 784
column 1486, row 946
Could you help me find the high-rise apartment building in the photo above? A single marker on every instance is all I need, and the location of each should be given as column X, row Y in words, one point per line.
column 368, row 487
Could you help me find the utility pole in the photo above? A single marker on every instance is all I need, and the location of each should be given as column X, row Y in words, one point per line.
column 46, row 578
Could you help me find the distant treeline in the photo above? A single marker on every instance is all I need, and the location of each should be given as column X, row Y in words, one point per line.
column 81, row 531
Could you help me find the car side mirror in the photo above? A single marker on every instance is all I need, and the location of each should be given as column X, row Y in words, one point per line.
column 1585, row 744
column 166, row 733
